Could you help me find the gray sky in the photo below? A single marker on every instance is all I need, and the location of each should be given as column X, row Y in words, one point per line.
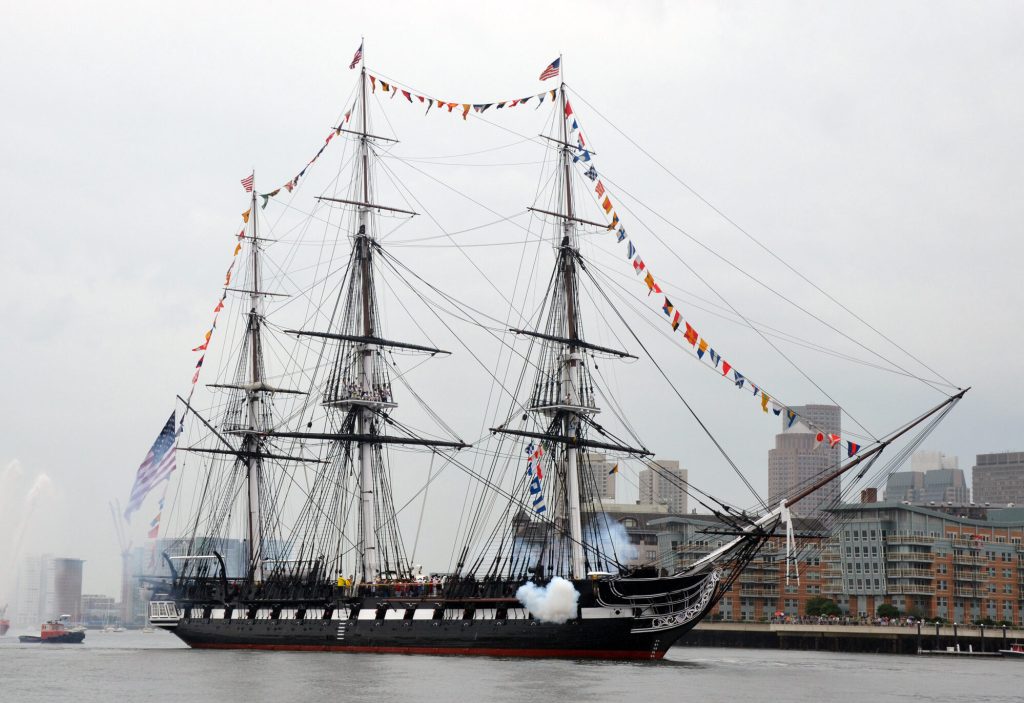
column 874, row 146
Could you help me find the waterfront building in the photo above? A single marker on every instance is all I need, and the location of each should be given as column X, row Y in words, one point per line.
column 601, row 469
column 665, row 484
column 998, row 479
column 926, row 561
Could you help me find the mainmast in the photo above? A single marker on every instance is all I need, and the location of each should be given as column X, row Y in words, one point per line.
column 250, row 442
column 359, row 386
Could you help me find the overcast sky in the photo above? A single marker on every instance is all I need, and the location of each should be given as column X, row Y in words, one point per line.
column 875, row 146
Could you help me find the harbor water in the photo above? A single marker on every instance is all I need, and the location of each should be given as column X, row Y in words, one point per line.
column 135, row 666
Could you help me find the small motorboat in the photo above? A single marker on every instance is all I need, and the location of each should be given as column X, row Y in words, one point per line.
column 1015, row 650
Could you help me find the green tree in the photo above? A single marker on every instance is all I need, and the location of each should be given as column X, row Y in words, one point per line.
column 822, row 606
column 888, row 610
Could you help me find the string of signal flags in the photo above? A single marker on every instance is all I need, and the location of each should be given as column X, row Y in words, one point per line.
column 700, row 346
column 584, row 158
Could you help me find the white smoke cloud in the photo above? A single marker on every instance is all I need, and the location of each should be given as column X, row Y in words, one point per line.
column 555, row 602
column 614, row 540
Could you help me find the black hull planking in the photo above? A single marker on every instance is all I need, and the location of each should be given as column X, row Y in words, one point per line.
column 600, row 638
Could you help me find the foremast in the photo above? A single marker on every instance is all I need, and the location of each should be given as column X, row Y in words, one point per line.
column 569, row 253
column 562, row 399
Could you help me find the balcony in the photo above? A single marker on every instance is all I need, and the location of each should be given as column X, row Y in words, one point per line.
column 910, row 589
column 759, row 593
column 921, row 557
column 971, row 576
column 919, row 540
column 969, row 560
column 910, row 574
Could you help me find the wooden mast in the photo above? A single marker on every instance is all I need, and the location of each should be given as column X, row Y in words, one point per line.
column 367, row 509
column 250, row 443
column 573, row 360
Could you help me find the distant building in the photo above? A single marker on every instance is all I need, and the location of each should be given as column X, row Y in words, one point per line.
column 603, row 478
column 99, row 610
column 798, row 459
column 904, row 486
column 47, row 588
column 67, row 588
column 934, row 478
column 999, row 478
column 665, row 484
column 34, row 596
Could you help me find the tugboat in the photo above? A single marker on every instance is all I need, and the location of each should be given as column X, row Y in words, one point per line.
column 56, row 632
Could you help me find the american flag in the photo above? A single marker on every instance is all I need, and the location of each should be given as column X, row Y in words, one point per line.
column 158, row 465
column 247, row 182
column 358, row 57
column 552, row 70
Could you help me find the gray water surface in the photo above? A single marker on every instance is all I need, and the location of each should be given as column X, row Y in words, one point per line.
column 134, row 666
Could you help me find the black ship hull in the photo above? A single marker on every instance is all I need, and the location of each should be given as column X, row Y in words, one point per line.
column 624, row 619
column 602, row 639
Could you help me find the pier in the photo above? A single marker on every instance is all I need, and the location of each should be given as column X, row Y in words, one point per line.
column 892, row 639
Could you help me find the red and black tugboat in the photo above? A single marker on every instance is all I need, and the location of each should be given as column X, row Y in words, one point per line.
column 56, row 632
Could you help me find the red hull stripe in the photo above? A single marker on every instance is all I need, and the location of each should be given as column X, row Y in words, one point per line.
column 471, row 651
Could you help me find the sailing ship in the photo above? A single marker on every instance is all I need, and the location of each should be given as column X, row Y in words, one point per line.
column 540, row 573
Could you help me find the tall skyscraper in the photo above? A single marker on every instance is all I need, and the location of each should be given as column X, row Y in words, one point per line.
column 600, row 467
column 798, row 459
column 999, row 478
column 665, row 485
